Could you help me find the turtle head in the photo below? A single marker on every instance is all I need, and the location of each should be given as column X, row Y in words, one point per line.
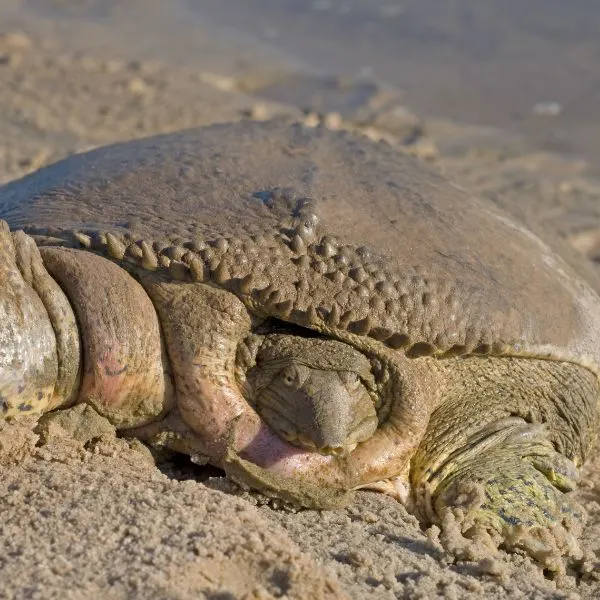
column 315, row 393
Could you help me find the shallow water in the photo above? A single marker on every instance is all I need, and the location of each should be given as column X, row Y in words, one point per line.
column 529, row 67
column 532, row 67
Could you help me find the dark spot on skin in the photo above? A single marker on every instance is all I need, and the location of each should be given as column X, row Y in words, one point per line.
column 116, row 372
column 398, row 341
column 510, row 519
column 277, row 196
column 302, row 204
column 40, row 396
column 548, row 574
column 363, row 252
column 3, row 404
column 410, row 576
column 20, row 389
column 25, row 407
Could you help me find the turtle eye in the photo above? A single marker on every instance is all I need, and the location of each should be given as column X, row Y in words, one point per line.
column 351, row 380
column 290, row 376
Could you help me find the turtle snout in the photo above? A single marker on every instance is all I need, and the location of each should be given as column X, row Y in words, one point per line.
column 326, row 411
column 333, row 421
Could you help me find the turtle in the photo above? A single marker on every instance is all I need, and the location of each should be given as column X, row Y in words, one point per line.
column 311, row 311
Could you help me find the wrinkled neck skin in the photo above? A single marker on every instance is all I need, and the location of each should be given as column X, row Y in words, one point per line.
column 78, row 328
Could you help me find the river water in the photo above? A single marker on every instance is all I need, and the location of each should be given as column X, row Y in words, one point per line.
column 528, row 66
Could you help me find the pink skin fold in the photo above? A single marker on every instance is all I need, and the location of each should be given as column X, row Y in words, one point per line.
column 123, row 376
column 220, row 415
column 381, row 457
column 235, row 424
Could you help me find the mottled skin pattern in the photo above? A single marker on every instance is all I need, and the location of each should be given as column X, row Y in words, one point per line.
column 309, row 310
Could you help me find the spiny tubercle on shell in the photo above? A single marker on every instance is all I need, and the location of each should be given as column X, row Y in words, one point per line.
column 366, row 299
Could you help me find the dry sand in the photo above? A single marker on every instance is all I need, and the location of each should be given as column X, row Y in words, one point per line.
column 88, row 515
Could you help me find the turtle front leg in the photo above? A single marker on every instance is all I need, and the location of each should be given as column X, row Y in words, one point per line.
column 508, row 488
column 499, row 458
column 203, row 326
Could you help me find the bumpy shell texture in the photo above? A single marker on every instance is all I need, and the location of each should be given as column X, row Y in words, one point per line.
column 330, row 231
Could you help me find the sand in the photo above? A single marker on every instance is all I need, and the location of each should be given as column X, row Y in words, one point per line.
column 85, row 514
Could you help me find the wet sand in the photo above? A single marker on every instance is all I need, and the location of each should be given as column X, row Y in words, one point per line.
column 91, row 515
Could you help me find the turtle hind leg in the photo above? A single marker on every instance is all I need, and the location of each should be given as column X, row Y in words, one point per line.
column 501, row 453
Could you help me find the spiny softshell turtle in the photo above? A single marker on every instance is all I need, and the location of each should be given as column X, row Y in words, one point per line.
column 311, row 311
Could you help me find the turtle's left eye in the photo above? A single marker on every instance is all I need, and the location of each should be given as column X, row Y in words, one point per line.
column 294, row 376
column 351, row 380
column 290, row 376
